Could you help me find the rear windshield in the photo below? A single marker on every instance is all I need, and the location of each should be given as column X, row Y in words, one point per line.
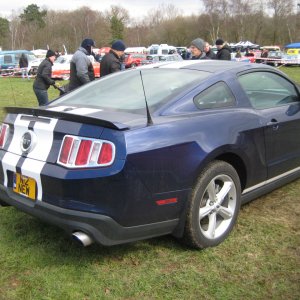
column 126, row 90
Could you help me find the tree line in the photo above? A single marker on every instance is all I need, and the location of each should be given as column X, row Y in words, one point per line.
column 272, row 22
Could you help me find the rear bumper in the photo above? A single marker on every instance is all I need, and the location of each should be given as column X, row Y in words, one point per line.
column 102, row 229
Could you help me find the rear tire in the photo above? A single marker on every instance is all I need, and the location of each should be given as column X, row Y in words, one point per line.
column 213, row 206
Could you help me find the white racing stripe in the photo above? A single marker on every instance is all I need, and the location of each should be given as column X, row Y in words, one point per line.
column 60, row 108
column 9, row 163
column 32, row 168
column 36, row 159
column 75, row 110
column 181, row 64
column 44, row 133
column 172, row 64
column 83, row 111
column 20, row 127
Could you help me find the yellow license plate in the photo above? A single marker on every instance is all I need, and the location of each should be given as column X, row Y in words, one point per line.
column 25, row 186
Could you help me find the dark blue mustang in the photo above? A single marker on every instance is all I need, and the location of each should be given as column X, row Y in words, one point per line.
column 171, row 148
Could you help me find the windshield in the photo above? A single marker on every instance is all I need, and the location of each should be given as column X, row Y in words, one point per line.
column 124, row 91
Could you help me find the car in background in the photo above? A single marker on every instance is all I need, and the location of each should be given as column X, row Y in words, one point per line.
column 99, row 53
column 291, row 60
column 150, row 59
column 9, row 61
column 274, row 58
column 169, row 148
column 292, row 51
column 34, row 65
column 133, row 60
column 61, row 67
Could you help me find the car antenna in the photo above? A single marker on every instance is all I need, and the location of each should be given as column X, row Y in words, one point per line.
column 149, row 119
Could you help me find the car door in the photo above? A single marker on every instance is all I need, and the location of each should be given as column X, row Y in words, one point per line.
column 277, row 101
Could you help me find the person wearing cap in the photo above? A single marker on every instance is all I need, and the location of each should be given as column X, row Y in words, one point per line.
column 224, row 51
column 81, row 67
column 43, row 78
column 112, row 61
column 197, row 49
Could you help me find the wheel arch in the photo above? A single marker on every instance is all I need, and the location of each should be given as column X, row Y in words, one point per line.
column 231, row 158
column 239, row 165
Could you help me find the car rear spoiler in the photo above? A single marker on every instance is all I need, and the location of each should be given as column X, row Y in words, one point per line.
column 37, row 112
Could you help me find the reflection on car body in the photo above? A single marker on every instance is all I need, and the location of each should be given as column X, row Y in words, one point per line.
column 177, row 153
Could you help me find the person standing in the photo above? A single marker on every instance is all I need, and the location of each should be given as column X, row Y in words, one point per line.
column 43, row 78
column 112, row 61
column 224, row 51
column 209, row 53
column 197, row 49
column 23, row 64
column 81, row 67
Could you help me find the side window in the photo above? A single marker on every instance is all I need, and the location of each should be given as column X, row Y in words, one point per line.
column 216, row 96
column 7, row 59
column 267, row 89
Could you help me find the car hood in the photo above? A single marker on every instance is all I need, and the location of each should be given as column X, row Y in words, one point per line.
column 109, row 119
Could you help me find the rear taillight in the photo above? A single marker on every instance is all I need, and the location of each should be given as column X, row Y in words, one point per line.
column 3, row 134
column 79, row 152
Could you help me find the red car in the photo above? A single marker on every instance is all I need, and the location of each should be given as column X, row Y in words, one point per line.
column 134, row 59
column 61, row 67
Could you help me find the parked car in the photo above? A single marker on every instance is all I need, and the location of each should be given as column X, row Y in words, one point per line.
column 169, row 148
column 291, row 59
column 9, row 60
column 295, row 51
column 133, row 60
column 61, row 67
column 150, row 59
column 34, row 65
column 274, row 58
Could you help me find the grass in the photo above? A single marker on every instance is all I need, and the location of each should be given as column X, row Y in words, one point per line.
column 259, row 260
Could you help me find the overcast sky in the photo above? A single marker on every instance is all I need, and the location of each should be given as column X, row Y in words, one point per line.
column 136, row 8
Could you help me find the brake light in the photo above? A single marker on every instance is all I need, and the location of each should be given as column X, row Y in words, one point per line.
column 3, row 134
column 83, row 153
column 79, row 152
column 106, row 154
column 65, row 150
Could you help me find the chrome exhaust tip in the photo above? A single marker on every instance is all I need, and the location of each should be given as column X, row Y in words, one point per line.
column 82, row 238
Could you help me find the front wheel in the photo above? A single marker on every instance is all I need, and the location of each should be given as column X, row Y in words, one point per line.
column 213, row 206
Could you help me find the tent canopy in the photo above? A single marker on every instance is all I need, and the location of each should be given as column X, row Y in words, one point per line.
column 246, row 44
column 293, row 45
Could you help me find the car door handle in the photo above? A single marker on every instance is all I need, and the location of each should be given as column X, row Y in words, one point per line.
column 274, row 123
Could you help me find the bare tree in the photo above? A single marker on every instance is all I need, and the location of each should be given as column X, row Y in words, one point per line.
column 217, row 12
column 281, row 9
column 260, row 21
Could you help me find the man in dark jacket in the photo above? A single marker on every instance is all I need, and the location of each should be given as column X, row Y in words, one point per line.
column 197, row 49
column 224, row 51
column 112, row 61
column 81, row 67
column 43, row 78
column 23, row 64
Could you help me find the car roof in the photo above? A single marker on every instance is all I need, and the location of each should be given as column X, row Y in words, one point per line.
column 211, row 66
column 15, row 52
